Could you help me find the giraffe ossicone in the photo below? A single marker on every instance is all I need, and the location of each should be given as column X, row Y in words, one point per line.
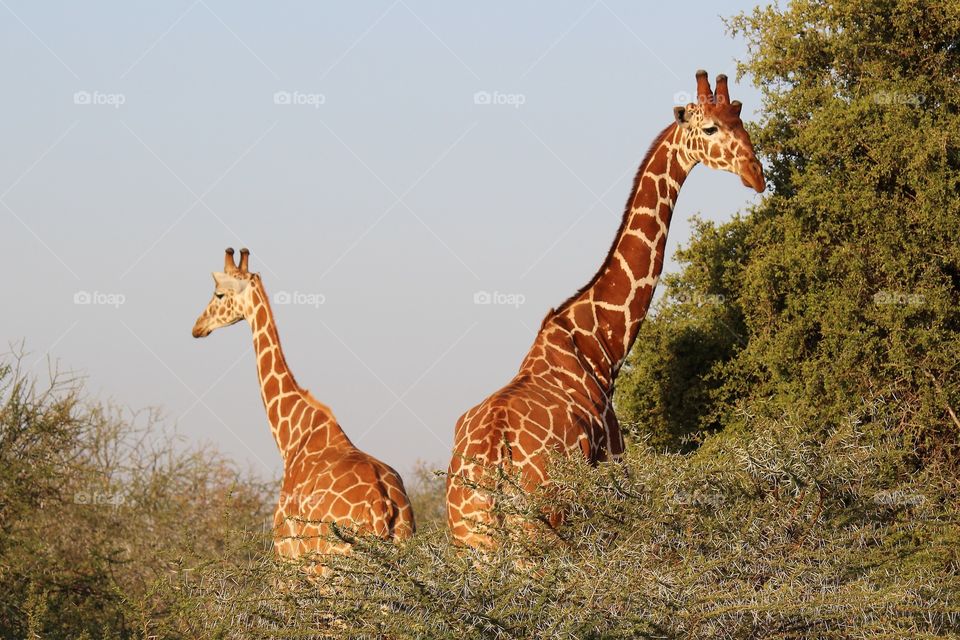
column 326, row 479
column 561, row 400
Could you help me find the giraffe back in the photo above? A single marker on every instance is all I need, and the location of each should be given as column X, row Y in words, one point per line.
column 342, row 486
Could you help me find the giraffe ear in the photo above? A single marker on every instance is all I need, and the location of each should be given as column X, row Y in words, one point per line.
column 680, row 115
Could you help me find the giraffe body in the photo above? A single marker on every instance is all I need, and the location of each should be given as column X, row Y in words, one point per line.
column 326, row 479
column 561, row 400
column 340, row 485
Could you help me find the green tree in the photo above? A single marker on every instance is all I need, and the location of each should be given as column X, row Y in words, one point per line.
column 98, row 506
column 844, row 282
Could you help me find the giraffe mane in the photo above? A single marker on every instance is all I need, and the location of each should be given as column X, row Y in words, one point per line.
column 623, row 223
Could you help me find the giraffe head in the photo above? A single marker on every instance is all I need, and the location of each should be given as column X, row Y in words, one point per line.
column 712, row 133
column 232, row 296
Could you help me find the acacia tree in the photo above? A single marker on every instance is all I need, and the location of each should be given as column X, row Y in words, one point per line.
column 844, row 282
column 97, row 506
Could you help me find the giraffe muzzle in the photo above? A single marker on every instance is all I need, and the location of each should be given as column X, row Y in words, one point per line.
column 752, row 176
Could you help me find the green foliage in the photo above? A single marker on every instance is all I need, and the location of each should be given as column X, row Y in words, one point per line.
column 774, row 535
column 96, row 506
column 845, row 281
column 778, row 536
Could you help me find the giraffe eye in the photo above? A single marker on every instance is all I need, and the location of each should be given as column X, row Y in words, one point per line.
column 710, row 130
column 218, row 295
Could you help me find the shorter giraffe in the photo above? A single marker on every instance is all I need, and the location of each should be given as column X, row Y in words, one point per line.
column 326, row 479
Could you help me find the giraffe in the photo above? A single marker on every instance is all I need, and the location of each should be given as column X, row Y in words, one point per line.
column 561, row 398
column 326, row 479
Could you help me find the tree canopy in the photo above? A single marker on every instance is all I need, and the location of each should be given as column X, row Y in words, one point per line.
column 843, row 283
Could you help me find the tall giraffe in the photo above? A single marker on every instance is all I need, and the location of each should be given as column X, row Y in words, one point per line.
column 326, row 479
column 561, row 399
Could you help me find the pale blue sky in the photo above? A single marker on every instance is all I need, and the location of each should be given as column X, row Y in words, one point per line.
column 140, row 139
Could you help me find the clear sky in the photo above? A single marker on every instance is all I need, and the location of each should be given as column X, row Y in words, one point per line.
column 384, row 161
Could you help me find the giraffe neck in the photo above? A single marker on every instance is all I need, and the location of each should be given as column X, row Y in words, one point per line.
column 295, row 417
column 605, row 316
